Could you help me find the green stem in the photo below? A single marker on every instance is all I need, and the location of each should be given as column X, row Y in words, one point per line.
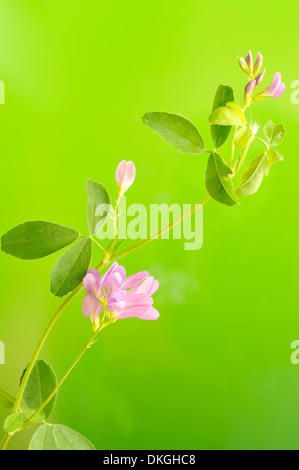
column 263, row 142
column 52, row 395
column 115, row 217
column 97, row 244
column 242, row 158
column 231, row 158
column 5, row 441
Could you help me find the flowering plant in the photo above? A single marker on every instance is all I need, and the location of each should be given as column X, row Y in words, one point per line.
column 114, row 295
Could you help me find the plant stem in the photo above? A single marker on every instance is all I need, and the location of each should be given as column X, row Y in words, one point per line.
column 231, row 158
column 115, row 217
column 45, row 403
column 97, row 244
column 5, row 441
column 261, row 140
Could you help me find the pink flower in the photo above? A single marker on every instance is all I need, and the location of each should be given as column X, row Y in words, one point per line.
column 125, row 176
column 274, row 90
column 118, row 295
column 277, row 88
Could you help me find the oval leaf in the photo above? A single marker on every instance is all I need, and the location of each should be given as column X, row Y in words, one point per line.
column 97, row 196
column 59, row 437
column 40, row 417
column 13, row 422
column 224, row 94
column 6, row 399
column 273, row 157
column 275, row 134
column 33, row 240
column 218, row 181
column 41, row 383
column 176, row 130
column 226, row 116
column 70, row 268
column 253, row 176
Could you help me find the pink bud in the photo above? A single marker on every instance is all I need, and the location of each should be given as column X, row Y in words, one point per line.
column 260, row 77
column 248, row 91
column 125, row 176
column 258, row 63
column 249, row 60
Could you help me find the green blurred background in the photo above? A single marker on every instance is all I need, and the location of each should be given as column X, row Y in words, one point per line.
column 214, row 371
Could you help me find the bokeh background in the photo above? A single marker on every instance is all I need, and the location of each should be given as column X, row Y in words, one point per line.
column 214, row 371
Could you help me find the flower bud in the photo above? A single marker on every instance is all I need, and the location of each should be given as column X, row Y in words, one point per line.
column 260, row 77
column 244, row 65
column 125, row 176
column 249, row 61
column 248, row 91
column 258, row 63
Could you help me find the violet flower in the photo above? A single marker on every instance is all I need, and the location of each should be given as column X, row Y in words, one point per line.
column 121, row 296
column 274, row 90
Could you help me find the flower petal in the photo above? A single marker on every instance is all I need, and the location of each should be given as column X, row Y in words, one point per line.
column 135, row 279
column 280, row 90
column 150, row 314
column 272, row 88
column 92, row 281
column 148, row 287
column 90, row 306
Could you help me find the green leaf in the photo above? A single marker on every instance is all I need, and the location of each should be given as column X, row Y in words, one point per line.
column 273, row 157
column 40, row 417
column 97, row 196
column 41, row 383
column 252, row 178
column 224, row 94
column 70, row 269
column 13, row 422
column 33, row 240
column 275, row 134
column 59, row 437
column 227, row 116
column 176, row 130
column 242, row 137
column 218, row 180
column 6, row 399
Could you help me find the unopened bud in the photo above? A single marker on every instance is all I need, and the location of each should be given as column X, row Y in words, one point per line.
column 260, row 77
column 244, row 66
column 249, row 61
column 249, row 91
column 258, row 63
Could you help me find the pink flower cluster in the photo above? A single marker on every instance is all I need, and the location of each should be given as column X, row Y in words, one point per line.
column 253, row 70
column 119, row 295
